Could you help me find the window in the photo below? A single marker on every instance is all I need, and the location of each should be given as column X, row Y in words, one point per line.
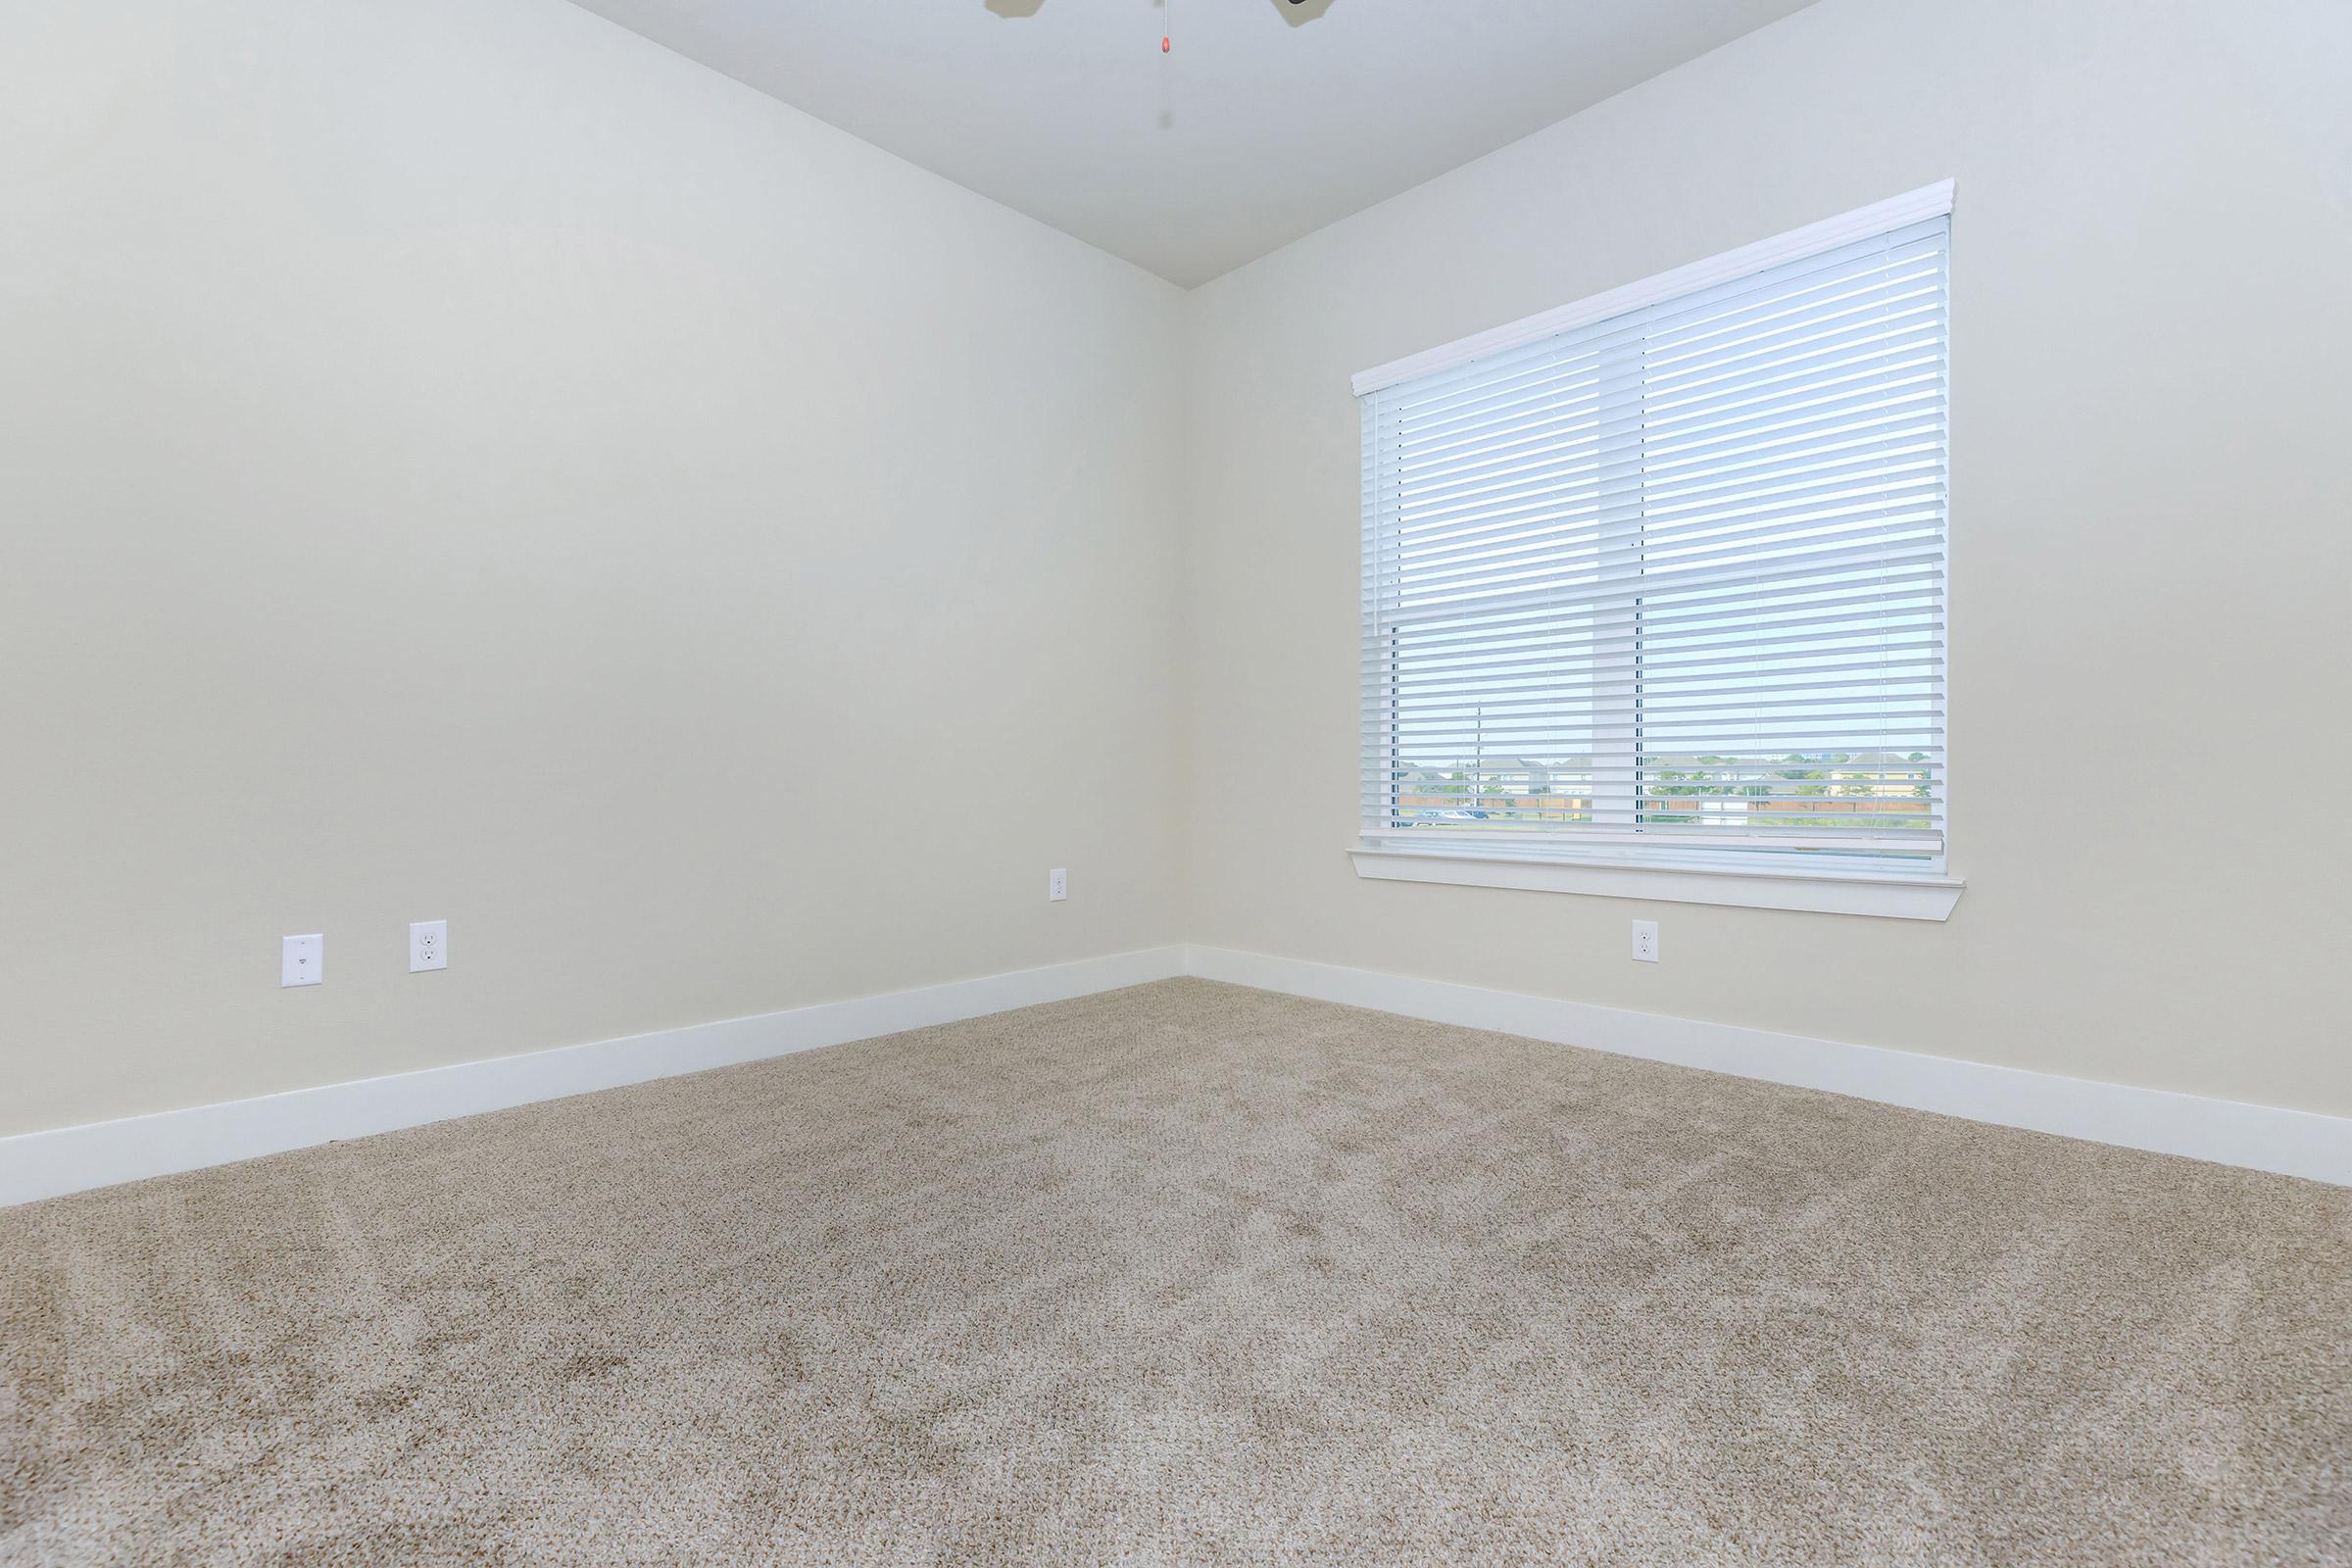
column 1659, row 579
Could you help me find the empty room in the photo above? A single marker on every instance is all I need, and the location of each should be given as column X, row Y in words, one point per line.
column 1069, row 782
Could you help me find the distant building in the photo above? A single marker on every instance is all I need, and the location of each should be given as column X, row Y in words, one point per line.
column 1520, row 785
column 1694, row 788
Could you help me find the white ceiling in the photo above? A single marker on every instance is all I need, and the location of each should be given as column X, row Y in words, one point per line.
column 1264, row 121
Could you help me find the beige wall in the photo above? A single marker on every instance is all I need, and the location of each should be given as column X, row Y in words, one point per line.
column 2151, row 523
column 458, row 460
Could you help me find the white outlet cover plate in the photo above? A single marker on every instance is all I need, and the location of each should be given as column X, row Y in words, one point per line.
column 1646, row 941
column 1057, row 884
column 302, row 960
column 428, row 946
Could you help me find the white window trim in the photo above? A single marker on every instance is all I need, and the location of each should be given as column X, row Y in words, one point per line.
column 1891, row 894
column 1894, row 896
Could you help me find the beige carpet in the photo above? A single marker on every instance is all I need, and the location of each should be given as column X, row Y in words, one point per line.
column 1185, row 1274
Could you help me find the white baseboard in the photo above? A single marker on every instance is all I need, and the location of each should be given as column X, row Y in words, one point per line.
column 2293, row 1143
column 71, row 1160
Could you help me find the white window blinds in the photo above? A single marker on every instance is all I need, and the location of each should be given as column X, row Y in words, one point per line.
column 1668, row 585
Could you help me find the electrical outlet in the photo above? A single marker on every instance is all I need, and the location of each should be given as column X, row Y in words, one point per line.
column 1057, row 884
column 428, row 946
column 1646, row 941
column 302, row 960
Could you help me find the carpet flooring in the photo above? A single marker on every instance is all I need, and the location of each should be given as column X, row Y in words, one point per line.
column 1184, row 1274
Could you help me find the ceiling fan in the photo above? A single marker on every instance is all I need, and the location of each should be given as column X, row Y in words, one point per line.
column 1292, row 12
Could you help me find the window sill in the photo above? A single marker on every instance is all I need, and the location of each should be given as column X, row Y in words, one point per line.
column 1890, row 896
